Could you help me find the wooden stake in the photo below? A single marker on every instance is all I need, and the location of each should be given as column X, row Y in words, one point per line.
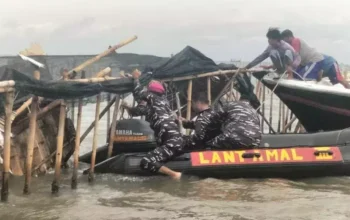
column 189, row 102
column 209, row 89
column 113, row 127
column 7, row 146
column 74, row 182
column 91, row 176
column 31, row 140
column 60, row 138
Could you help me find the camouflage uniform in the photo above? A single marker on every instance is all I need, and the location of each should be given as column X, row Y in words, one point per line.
column 158, row 114
column 205, row 129
column 241, row 126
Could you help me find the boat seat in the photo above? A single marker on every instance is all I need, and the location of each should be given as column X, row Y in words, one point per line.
column 339, row 137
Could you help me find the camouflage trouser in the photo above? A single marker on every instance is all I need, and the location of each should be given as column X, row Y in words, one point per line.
column 170, row 144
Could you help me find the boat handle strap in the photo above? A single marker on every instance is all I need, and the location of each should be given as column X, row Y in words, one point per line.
column 251, row 155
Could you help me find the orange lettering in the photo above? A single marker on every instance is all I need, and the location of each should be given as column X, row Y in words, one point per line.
column 284, row 155
column 229, row 156
column 202, row 160
column 295, row 156
column 216, row 158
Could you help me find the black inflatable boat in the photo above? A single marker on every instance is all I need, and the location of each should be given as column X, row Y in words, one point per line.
column 287, row 155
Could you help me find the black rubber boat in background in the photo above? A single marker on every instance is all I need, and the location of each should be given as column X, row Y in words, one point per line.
column 285, row 156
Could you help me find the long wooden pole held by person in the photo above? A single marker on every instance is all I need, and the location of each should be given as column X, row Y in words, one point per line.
column 113, row 127
column 178, row 105
column 105, row 53
column 31, row 139
column 59, row 149
column 7, row 146
column 74, row 183
column 189, row 102
column 91, row 176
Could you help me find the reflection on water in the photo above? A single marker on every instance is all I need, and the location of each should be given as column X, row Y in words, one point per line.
column 140, row 198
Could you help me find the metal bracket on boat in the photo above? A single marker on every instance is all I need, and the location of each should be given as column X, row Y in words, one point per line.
column 318, row 153
column 250, row 155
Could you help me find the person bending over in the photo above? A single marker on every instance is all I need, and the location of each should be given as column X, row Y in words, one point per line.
column 204, row 128
column 314, row 65
column 154, row 105
column 240, row 128
column 282, row 55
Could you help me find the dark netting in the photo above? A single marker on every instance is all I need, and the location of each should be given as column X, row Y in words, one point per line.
column 187, row 62
column 72, row 89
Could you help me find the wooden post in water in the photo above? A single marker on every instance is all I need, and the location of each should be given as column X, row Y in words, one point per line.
column 31, row 139
column 59, row 148
column 91, row 176
column 209, row 89
column 189, row 102
column 74, row 183
column 113, row 126
column 7, row 146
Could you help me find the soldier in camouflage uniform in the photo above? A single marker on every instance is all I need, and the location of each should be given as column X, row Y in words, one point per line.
column 241, row 126
column 154, row 105
column 204, row 128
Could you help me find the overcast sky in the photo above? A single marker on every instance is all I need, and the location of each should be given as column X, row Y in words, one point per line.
column 221, row 29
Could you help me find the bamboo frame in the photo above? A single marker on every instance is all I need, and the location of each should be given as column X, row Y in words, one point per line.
column 7, row 146
column 31, row 139
column 113, row 127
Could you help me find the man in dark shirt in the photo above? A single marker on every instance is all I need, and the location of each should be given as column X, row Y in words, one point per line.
column 204, row 128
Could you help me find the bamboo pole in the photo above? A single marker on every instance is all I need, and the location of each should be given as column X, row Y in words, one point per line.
column 106, row 71
column 6, row 89
column 113, row 126
column 279, row 116
column 85, row 134
column 209, row 89
column 271, row 109
column 189, row 102
column 108, row 113
column 216, row 73
column 60, row 138
column 283, row 115
column 178, row 105
column 31, row 140
column 74, row 182
column 7, row 83
column 103, row 54
column 7, row 146
column 91, row 177
column 288, row 125
column 263, row 108
column 94, row 80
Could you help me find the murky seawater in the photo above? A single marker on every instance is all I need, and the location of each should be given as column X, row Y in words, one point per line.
column 125, row 197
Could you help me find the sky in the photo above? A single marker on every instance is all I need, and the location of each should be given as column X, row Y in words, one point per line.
column 221, row 29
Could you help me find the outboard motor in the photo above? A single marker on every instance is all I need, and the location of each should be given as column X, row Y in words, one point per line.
column 131, row 136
